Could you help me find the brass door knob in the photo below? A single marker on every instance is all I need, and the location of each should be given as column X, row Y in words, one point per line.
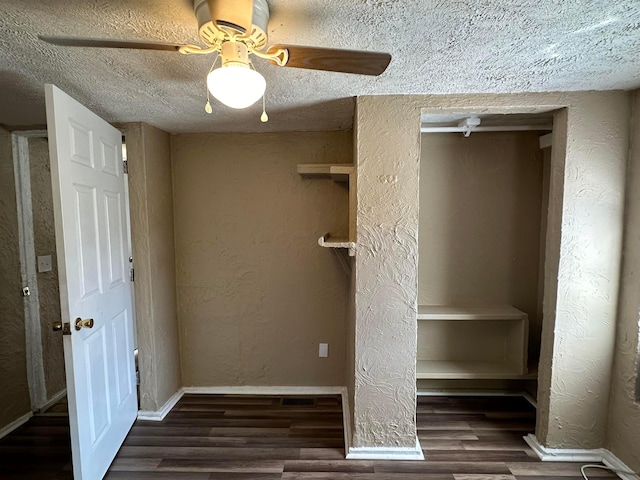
column 57, row 326
column 88, row 323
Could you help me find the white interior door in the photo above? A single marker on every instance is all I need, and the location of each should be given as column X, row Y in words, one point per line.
column 91, row 238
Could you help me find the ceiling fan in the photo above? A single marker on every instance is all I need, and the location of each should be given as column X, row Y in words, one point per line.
column 237, row 29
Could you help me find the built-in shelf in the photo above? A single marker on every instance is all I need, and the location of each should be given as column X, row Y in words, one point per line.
column 472, row 342
column 344, row 174
column 470, row 312
column 468, row 370
column 337, row 171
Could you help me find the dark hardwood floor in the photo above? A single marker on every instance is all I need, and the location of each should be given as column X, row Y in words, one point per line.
column 260, row 438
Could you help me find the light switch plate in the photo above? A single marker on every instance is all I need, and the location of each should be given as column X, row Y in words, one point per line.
column 44, row 263
column 323, row 350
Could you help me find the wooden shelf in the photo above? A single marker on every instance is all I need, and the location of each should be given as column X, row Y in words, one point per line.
column 337, row 242
column 344, row 173
column 471, row 312
column 472, row 342
column 465, row 370
column 339, row 172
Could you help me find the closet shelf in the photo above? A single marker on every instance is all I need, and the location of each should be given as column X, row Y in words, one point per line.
column 465, row 370
column 339, row 172
column 337, row 242
column 470, row 312
column 472, row 342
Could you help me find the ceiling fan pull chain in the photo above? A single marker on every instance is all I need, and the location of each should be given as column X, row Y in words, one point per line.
column 207, row 106
column 264, row 118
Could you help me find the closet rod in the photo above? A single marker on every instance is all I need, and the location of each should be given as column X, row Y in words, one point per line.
column 506, row 128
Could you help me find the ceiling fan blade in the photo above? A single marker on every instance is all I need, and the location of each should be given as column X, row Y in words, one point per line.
column 332, row 60
column 234, row 14
column 102, row 43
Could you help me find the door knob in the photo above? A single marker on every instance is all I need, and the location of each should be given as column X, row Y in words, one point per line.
column 88, row 323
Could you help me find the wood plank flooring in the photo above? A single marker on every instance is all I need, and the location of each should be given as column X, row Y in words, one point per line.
column 259, row 438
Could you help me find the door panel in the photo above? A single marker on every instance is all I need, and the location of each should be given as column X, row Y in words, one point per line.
column 92, row 246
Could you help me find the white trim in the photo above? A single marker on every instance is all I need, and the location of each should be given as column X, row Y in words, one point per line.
column 546, row 141
column 249, row 390
column 563, row 454
column 15, row 424
column 386, row 453
column 581, row 455
column 610, row 460
column 53, row 400
column 158, row 416
column 346, row 419
column 33, row 334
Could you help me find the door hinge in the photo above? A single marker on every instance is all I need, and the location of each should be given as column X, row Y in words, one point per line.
column 132, row 275
column 125, row 164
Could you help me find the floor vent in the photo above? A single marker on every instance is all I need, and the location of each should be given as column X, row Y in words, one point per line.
column 298, row 402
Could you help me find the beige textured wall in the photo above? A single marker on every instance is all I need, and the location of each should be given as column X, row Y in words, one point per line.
column 388, row 163
column 582, row 259
column 480, row 205
column 14, row 389
column 48, row 285
column 624, row 410
column 256, row 292
column 152, row 225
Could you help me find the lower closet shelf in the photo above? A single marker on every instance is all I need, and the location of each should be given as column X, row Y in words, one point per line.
column 464, row 370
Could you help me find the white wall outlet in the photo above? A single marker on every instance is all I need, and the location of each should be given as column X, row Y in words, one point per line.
column 44, row 263
column 323, row 351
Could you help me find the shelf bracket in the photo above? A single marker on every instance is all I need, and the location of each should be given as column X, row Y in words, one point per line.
column 332, row 242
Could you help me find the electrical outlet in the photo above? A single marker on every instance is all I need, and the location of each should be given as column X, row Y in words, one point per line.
column 323, row 350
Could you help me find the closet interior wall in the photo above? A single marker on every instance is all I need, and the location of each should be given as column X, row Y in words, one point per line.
column 481, row 235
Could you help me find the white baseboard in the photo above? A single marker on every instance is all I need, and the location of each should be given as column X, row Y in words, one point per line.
column 610, row 460
column 53, row 400
column 346, row 419
column 6, row 430
column 601, row 455
column 258, row 390
column 159, row 415
column 386, row 453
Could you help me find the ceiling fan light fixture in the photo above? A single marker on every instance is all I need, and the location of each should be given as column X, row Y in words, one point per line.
column 236, row 85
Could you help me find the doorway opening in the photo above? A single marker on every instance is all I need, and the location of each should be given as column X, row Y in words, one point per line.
column 484, row 188
column 39, row 272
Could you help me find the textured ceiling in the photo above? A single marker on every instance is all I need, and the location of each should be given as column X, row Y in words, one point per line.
column 438, row 47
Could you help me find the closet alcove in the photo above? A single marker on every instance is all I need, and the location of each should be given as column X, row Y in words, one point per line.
column 484, row 187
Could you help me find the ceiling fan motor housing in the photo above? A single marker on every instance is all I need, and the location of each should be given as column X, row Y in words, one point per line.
column 227, row 16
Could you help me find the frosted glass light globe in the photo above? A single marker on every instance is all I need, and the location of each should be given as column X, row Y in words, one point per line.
column 236, row 86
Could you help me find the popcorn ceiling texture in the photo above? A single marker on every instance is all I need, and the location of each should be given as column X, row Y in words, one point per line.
column 438, row 47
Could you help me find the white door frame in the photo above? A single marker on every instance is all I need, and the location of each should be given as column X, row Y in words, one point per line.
column 33, row 334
